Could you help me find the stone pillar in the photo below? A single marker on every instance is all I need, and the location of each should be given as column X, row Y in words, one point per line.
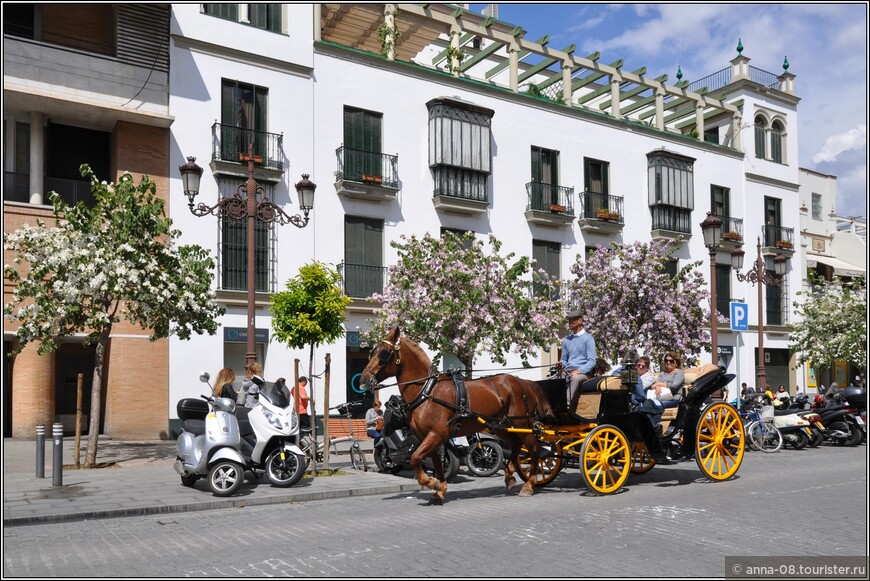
column 390, row 22
column 453, row 61
column 660, row 109
column 615, row 81
column 32, row 391
column 736, row 130
column 37, row 158
column 514, row 60
column 699, row 119
column 566, row 84
column 317, row 22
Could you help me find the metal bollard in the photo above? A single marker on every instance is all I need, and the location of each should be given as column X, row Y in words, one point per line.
column 57, row 456
column 40, row 451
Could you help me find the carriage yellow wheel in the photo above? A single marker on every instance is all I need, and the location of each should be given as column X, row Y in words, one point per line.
column 641, row 460
column 548, row 468
column 605, row 459
column 719, row 442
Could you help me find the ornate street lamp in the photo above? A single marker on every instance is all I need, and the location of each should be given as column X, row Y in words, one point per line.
column 250, row 201
column 712, row 229
column 761, row 276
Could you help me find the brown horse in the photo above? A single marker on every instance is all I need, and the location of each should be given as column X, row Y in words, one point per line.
column 434, row 414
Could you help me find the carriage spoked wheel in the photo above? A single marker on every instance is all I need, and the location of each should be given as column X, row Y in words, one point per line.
column 641, row 460
column 547, row 468
column 605, row 459
column 719, row 442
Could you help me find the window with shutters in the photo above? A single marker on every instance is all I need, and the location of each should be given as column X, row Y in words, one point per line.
column 760, row 137
column 362, row 158
column 776, row 132
column 544, row 187
column 460, row 154
column 363, row 269
column 244, row 110
column 671, row 191
column 265, row 16
column 723, row 289
column 547, row 257
column 817, row 206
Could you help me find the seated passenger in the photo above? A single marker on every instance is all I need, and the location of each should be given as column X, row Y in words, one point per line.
column 662, row 392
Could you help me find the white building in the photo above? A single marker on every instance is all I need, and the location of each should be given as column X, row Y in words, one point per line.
column 374, row 133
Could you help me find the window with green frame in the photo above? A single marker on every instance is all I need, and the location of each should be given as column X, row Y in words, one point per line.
column 364, row 271
column 362, row 143
column 265, row 16
column 547, row 257
column 244, row 110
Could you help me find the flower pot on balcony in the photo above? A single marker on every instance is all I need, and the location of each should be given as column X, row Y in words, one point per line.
column 557, row 208
column 731, row 236
column 783, row 244
column 372, row 179
column 603, row 215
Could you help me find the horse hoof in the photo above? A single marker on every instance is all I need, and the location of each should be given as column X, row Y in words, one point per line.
column 437, row 499
column 511, row 483
column 525, row 491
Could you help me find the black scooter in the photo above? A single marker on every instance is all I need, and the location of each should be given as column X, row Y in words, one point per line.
column 842, row 420
column 393, row 451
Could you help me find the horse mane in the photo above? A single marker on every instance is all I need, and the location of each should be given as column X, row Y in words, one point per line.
column 417, row 350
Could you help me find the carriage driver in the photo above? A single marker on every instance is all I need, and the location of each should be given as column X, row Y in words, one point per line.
column 578, row 353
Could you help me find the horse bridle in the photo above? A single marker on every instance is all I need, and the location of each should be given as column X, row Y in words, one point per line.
column 384, row 356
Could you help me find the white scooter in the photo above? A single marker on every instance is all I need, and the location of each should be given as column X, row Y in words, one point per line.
column 209, row 445
column 267, row 439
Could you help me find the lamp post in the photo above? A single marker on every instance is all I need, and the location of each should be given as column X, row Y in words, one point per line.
column 712, row 229
column 250, row 201
column 761, row 276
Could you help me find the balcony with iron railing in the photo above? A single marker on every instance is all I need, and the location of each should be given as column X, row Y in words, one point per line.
column 362, row 280
column 601, row 212
column 230, row 143
column 549, row 204
column 776, row 239
column 671, row 222
column 16, row 188
column 723, row 78
column 366, row 175
column 460, row 190
column 732, row 232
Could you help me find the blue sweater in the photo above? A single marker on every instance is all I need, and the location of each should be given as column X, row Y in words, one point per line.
column 578, row 352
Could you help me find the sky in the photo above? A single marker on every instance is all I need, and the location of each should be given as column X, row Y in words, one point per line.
column 826, row 47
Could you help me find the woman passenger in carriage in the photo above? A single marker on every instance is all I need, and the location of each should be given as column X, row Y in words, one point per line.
column 661, row 393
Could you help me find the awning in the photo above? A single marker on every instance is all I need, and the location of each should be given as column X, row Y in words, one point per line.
column 840, row 267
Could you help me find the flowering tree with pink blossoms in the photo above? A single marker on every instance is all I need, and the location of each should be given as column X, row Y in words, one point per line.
column 629, row 301
column 457, row 298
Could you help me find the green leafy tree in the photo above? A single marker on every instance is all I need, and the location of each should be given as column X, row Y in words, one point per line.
column 310, row 312
column 629, row 301
column 456, row 297
column 831, row 323
column 96, row 266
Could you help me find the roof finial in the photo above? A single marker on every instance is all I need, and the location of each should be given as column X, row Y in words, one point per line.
column 739, row 46
column 785, row 64
column 679, row 73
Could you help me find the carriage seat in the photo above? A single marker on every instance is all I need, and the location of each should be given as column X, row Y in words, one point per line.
column 691, row 375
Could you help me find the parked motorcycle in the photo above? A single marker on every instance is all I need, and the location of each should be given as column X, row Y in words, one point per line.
column 795, row 427
column 841, row 418
column 208, row 447
column 268, row 436
column 393, row 451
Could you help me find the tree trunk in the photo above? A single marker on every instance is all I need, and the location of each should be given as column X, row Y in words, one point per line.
column 312, row 410
column 96, row 403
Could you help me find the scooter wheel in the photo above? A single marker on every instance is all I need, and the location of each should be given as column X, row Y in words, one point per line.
column 225, row 478
column 484, row 458
column 383, row 462
column 284, row 469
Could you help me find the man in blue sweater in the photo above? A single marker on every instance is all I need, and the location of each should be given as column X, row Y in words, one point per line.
column 578, row 353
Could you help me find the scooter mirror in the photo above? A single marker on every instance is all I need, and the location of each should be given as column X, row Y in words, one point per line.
column 204, row 377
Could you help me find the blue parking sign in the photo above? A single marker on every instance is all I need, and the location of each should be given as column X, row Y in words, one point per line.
column 739, row 316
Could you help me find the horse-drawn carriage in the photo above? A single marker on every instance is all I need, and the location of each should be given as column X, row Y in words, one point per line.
column 598, row 429
column 609, row 441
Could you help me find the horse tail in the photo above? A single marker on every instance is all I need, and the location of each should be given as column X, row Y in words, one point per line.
column 541, row 405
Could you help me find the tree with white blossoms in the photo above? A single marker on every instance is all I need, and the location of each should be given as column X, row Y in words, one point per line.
column 831, row 323
column 457, row 298
column 629, row 301
column 116, row 260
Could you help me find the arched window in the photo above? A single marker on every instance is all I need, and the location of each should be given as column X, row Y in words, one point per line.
column 760, row 137
column 776, row 131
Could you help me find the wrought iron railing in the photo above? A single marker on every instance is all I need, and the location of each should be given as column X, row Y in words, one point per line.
column 370, row 167
column 722, row 78
column 362, row 280
column 732, row 228
column 233, row 256
column 671, row 218
column 550, row 198
column 594, row 205
column 778, row 236
column 229, row 142
column 457, row 182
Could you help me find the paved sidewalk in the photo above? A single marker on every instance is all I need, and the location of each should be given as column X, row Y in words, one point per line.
column 137, row 478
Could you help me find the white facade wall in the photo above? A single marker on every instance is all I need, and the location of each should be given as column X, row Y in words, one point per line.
column 308, row 109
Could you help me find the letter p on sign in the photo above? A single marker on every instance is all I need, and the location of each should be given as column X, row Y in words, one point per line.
column 739, row 316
